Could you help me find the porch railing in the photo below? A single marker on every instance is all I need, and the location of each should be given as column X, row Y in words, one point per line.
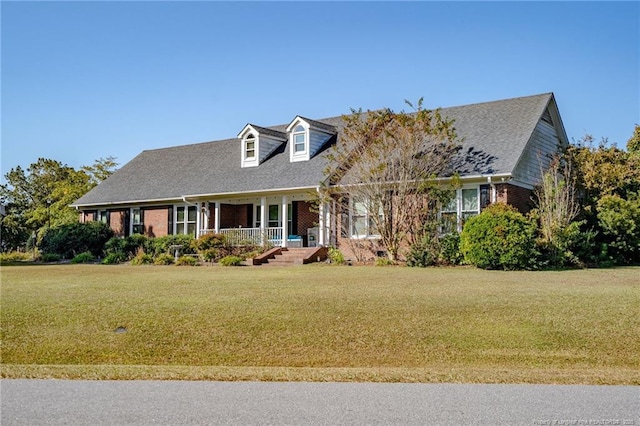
column 250, row 236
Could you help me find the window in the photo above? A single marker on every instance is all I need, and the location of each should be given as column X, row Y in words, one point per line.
column 258, row 217
column 103, row 216
column 464, row 204
column 362, row 221
column 274, row 216
column 137, row 221
column 469, row 204
column 250, row 147
column 299, row 139
column 449, row 215
column 186, row 220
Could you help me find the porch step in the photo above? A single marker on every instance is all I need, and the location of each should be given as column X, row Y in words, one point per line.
column 296, row 256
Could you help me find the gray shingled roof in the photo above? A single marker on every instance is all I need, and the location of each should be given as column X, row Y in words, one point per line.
column 494, row 137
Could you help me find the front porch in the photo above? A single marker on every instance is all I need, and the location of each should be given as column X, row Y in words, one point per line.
column 289, row 220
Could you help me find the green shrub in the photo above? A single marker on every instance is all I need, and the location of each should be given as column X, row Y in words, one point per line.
column 141, row 258
column 384, row 261
column 499, row 238
column 16, row 256
column 115, row 245
column 164, row 259
column 231, row 261
column 335, row 256
column 209, row 241
column 421, row 255
column 619, row 220
column 134, row 243
column 566, row 249
column 49, row 257
column 83, row 258
column 450, row 249
column 71, row 239
column 114, row 258
column 186, row 261
column 165, row 244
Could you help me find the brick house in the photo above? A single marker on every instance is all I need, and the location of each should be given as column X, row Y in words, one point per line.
column 259, row 185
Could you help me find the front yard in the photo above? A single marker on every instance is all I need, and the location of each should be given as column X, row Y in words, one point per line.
column 321, row 322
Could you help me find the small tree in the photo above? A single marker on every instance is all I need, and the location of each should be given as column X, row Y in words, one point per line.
column 556, row 208
column 387, row 161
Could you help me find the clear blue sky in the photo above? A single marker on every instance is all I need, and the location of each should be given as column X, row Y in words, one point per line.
column 84, row 80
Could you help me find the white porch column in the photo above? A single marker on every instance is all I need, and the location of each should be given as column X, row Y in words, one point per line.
column 205, row 215
column 198, row 219
column 285, row 220
column 216, row 219
column 322, row 211
column 263, row 219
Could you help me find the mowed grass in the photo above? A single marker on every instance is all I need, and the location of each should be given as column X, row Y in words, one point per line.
column 321, row 322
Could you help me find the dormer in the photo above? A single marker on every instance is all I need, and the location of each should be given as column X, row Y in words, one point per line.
column 306, row 138
column 258, row 143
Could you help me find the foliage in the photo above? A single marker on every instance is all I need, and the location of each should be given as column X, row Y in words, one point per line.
column 141, row 258
column 384, row 160
column 335, row 256
column 499, row 238
column 450, row 249
column 436, row 250
column 101, row 169
column 114, row 258
column 15, row 256
column 186, row 261
column 14, row 232
column 231, row 261
column 421, row 255
column 72, row 239
column 384, row 261
column 49, row 257
column 163, row 259
column 609, row 182
column 209, row 241
column 164, row 244
column 604, row 170
column 85, row 257
column 633, row 144
column 620, row 223
column 39, row 198
column 556, row 208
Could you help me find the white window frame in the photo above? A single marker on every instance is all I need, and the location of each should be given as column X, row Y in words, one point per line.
column 366, row 215
column 461, row 213
column 250, row 138
column 185, row 222
column 299, row 131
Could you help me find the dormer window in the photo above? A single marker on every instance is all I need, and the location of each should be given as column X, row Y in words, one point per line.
column 258, row 143
column 299, row 139
column 250, row 147
column 307, row 137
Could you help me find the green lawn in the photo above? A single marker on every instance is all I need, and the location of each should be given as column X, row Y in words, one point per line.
column 321, row 322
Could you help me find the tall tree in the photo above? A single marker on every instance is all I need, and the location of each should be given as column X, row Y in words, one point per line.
column 386, row 162
column 38, row 198
column 633, row 144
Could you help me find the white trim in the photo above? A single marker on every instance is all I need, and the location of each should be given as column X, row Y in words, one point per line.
column 299, row 155
column 284, row 208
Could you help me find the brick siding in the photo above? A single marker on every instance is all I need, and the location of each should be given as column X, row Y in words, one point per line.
column 518, row 197
column 306, row 218
column 156, row 221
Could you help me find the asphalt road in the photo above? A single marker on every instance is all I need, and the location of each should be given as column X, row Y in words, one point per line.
column 62, row 402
